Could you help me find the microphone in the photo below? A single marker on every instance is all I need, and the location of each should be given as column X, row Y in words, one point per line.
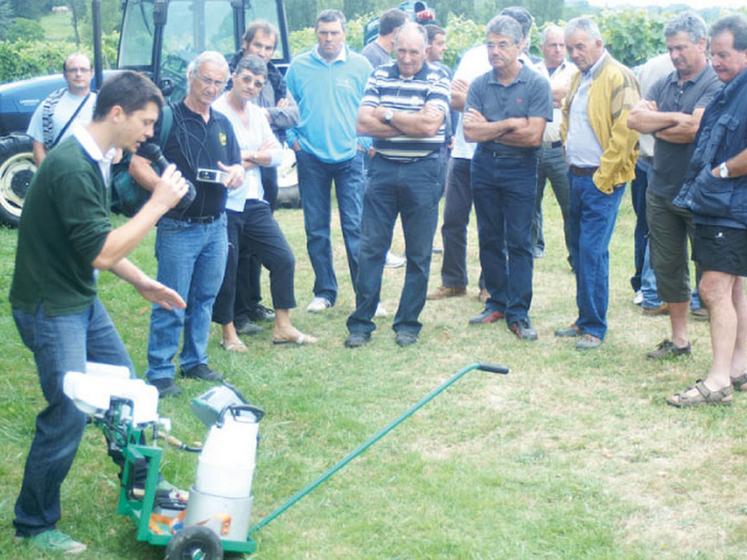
column 153, row 153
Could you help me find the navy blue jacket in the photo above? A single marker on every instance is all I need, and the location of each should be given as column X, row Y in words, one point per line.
column 722, row 135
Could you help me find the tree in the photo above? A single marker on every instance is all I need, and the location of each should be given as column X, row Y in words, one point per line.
column 31, row 10
column 6, row 18
column 78, row 11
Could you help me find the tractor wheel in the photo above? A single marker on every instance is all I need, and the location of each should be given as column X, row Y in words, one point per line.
column 16, row 170
column 195, row 543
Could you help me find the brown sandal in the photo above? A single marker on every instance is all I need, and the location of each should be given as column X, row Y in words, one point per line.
column 703, row 396
column 739, row 383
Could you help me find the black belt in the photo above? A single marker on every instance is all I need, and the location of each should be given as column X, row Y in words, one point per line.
column 193, row 219
column 552, row 145
column 497, row 154
column 582, row 171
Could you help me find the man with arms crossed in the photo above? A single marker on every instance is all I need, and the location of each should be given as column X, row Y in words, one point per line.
column 63, row 238
column 672, row 111
column 506, row 112
column 404, row 110
column 715, row 190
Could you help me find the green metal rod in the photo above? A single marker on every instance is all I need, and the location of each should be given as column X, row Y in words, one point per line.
column 290, row 502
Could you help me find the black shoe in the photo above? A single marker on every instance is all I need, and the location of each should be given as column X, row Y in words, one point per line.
column 357, row 339
column 405, row 338
column 523, row 330
column 260, row 313
column 201, row 371
column 486, row 316
column 246, row 327
column 166, row 387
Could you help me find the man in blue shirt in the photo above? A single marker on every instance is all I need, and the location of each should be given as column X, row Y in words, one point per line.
column 506, row 112
column 327, row 82
column 715, row 190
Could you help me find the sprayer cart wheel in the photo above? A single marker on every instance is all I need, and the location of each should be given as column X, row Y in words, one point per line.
column 195, row 543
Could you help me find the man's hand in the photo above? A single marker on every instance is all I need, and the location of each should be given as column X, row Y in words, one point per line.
column 170, row 188
column 459, row 89
column 296, row 147
column 473, row 115
column 157, row 293
column 235, row 175
column 282, row 103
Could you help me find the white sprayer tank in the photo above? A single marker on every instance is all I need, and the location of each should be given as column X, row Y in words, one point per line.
column 226, row 465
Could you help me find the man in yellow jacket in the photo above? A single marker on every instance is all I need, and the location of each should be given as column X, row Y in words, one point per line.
column 601, row 153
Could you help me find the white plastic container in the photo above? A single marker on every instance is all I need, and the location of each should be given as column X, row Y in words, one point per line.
column 228, row 518
column 226, row 464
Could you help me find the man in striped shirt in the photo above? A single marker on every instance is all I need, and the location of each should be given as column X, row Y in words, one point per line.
column 403, row 109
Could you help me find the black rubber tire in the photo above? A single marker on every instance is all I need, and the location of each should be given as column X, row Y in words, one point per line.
column 16, row 171
column 195, row 540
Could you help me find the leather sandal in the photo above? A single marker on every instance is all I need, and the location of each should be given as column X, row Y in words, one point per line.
column 703, row 396
column 739, row 383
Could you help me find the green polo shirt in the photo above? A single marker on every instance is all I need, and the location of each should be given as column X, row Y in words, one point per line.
column 63, row 227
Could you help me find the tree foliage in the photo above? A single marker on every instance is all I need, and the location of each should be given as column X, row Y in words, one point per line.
column 6, row 18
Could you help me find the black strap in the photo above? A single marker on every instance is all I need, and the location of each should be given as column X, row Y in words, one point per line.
column 69, row 122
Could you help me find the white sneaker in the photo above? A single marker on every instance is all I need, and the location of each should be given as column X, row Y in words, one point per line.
column 318, row 304
column 394, row 261
column 381, row 311
column 638, row 298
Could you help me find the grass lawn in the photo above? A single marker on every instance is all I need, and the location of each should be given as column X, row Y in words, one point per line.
column 58, row 27
column 572, row 455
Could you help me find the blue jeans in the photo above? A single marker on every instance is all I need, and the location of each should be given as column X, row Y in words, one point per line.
column 504, row 191
column 638, row 188
column 593, row 216
column 648, row 283
column 552, row 166
column 191, row 260
column 314, row 184
column 60, row 344
column 413, row 191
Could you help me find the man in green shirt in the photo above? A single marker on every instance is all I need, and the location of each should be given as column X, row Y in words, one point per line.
column 63, row 238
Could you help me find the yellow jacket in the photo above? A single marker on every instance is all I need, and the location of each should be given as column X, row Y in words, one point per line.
column 613, row 92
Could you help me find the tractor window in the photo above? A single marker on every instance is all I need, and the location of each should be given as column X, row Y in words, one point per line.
column 136, row 40
column 268, row 10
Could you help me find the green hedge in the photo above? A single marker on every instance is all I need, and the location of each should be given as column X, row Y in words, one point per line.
column 23, row 59
column 632, row 36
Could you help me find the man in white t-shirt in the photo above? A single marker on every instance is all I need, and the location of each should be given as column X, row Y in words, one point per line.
column 53, row 119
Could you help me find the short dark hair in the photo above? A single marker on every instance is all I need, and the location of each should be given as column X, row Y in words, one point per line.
column 521, row 15
column 736, row 25
column 433, row 31
column 253, row 64
column 130, row 90
column 260, row 26
column 687, row 22
column 328, row 16
column 391, row 20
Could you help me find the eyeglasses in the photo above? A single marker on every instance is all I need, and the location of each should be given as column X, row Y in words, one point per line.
column 220, row 84
column 77, row 70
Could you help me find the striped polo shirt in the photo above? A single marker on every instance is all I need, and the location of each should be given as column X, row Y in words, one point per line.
column 386, row 88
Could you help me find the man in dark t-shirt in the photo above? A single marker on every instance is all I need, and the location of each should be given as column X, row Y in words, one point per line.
column 64, row 237
column 506, row 112
column 672, row 111
column 192, row 244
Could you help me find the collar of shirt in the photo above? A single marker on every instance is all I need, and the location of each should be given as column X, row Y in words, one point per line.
column 89, row 145
column 520, row 77
column 590, row 72
column 341, row 57
column 674, row 77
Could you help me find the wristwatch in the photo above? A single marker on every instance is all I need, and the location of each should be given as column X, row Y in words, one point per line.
column 723, row 171
column 388, row 116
